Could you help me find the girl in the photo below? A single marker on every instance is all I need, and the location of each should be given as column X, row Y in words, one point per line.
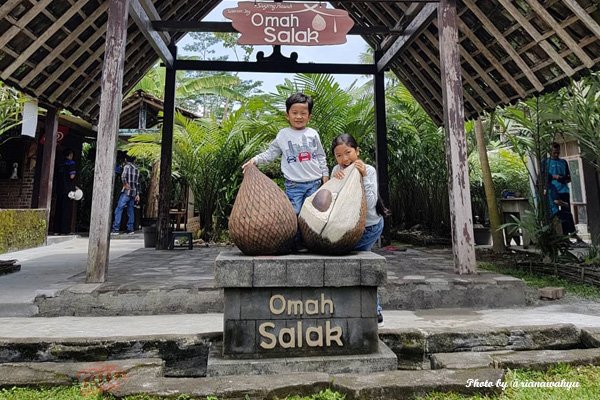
column 346, row 152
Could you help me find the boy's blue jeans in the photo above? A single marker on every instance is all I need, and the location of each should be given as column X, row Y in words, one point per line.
column 124, row 201
column 297, row 192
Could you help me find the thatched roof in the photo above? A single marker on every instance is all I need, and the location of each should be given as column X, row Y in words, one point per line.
column 511, row 49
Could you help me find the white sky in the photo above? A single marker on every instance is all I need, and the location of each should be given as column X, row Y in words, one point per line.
column 347, row 53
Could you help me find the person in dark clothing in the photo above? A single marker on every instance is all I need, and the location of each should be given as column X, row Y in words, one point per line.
column 67, row 178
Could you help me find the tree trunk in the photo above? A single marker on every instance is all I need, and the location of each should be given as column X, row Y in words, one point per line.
column 151, row 210
column 490, row 195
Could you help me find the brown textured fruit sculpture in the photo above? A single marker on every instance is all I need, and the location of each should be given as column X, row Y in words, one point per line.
column 262, row 221
column 332, row 220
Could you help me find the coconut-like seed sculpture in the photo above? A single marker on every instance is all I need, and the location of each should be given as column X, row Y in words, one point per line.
column 332, row 220
column 262, row 221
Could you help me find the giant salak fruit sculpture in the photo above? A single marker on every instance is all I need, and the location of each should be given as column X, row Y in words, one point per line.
column 332, row 220
column 262, row 221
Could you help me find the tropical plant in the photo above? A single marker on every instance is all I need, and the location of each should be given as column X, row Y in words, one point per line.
column 11, row 106
column 580, row 115
column 208, row 155
column 417, row 165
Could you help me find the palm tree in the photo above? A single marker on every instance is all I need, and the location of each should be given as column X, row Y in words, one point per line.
column 208, row 155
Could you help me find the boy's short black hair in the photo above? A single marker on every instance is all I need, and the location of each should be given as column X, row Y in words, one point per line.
column 299, row 98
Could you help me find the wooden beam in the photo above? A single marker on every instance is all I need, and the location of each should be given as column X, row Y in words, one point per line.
column 535, row 35
column 227, row 27
column 275, row 67
column 561, row 33
column 413, row 29
column 496, row 34
column 7, row 7
column 49, row 157
column 166, row 158
column 381, row 152
column 400, row 26
column 456, row 143
column 142, row 20
column 106, row 148
column 585, row 18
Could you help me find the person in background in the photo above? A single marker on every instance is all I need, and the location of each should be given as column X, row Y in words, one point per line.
column 346, row 152
column 129, row 197
column 559, row 198
column 67, row 178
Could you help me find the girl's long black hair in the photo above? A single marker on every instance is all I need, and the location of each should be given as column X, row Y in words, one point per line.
column 348, row 140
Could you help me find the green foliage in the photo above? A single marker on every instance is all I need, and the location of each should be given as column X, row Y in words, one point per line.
column 592, row 256
column 11, row 106
column 326, row 394
column 588, row 378
column 21, row 229
column 417, row 166
column 539, row 281
column 508, row 171
column 580, row 114
column 208, row 155
column 550, row 243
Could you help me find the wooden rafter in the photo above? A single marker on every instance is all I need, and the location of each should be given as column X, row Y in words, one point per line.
column 416, row 26
column 55, row 53
column 33, row 47
column 22, row 22
column 535, row 35
column 560, row 32
column 592, row 25
column 489, row 26
column 141, row 12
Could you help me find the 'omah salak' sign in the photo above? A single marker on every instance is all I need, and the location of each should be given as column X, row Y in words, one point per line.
column 299, row 24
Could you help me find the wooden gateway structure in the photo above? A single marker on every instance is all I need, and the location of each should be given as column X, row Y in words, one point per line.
column 457, row 57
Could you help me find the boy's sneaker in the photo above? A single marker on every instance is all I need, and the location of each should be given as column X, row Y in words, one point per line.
column 113, row 233
column 380, row 320
column 130, row 232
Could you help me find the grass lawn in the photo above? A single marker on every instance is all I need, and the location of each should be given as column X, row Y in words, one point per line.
column 584, row 382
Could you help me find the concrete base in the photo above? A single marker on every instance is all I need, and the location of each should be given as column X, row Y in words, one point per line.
column 383, row 360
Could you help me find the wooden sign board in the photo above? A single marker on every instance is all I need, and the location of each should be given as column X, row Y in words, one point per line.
column 298, row 24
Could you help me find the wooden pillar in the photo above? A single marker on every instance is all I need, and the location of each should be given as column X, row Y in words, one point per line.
column 381, row 155
column 456, row 144
column 108, row 126
column 49, row 157
column 166, row 156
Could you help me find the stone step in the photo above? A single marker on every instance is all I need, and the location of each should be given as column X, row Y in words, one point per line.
column 383, row 360
column 184, row 355
column 534, row 359
column 390, row 385
column 484, row 290
column 106, row 373
column 187, row 354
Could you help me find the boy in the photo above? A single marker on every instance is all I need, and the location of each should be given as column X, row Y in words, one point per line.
column 302, row 156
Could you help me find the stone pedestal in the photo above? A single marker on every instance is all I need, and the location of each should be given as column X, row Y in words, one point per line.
column 300, row 305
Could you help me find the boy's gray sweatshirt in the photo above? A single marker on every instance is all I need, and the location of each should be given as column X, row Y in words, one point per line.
column 302, row 154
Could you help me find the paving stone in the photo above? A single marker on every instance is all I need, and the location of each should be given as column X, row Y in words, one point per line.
column 113, row 372
column 465, row 359
column 590, row 336
column 544, row 359
column 551, row 293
